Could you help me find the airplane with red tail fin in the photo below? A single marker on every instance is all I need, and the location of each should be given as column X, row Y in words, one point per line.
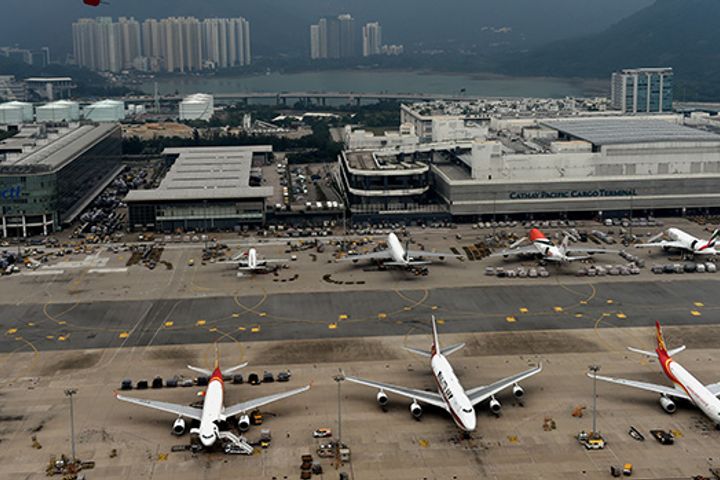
column 685, row 385
column 543, row 247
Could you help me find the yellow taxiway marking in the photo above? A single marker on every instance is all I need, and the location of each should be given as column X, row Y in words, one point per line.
column 558, row 309
column 434, row 307
column 610, row 301
column 343, row 317
column 242, row 329
column 620, row 315
column 61, row 322
column 441, row 321
column 606, row 314
column 424, row 443
column 676, row 433
column 50, row 337
column 578, row 315
column 212, row 329
column 263, row 314
column 235, row 315
column 382, row 316
column 583, row 302
column 255, row 329
column 169, row 323
column 512, row 438
column 695, row 313
column 510, row 319
column 332, row 326
column 699, row 304
column 124, row 335
column 523, row 310
column 11, row 331
column 407, row 308
column 200, row 323
column 30, row 324
column 62, row 338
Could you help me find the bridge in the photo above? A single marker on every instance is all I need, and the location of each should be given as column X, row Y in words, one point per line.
column 282, row 98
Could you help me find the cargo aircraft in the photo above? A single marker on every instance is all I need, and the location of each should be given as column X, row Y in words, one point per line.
column 683, row 241
column 395, row 255
column 213, row 412
column 250, row 261
column 685, row 385
column 544, row 248
column 450, row 395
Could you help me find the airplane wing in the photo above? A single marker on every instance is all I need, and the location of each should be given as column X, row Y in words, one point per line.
column 180, row 410
column 270, row 261
column 431, row 398
column 714, row 388
column 589, row 251
column 662, row 243
column 526, row 250
column 382, row 254
column 423, row 253
column 480, row 394
column 651, row 387
column 259, row 402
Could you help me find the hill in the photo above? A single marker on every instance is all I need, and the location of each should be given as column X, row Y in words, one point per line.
column 682, row 34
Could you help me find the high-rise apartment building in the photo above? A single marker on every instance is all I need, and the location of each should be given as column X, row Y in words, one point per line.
column 372, row 39
column 642, row 90
column 333, row 38
column 175, row 44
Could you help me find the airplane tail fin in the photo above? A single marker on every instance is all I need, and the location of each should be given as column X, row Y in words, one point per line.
column 407, row 251
column 660, row 339
column 436, row 342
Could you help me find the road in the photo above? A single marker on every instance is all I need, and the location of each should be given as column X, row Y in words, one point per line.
column 302, row 315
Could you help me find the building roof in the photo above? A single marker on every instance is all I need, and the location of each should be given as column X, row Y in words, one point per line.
column 206, row 173
column 48, row 155
column 616, row 131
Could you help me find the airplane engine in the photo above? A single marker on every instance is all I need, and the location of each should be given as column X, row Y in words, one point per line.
column 668, row 405
column 495, row 406
column 518, row 391
column 416, row 410
column 382, row 399
column 178, row 427
column 244, row 423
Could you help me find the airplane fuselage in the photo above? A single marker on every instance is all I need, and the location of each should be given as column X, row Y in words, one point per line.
column 690, row 243
column 700, row 396
column 456, row 401
column 212, row 409
column 397, row 252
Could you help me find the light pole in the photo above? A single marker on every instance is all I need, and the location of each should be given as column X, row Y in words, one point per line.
column 594, row 369
column 70, row 392
column 339, row 378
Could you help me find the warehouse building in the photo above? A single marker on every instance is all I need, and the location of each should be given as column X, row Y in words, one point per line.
column 574, row 167
column 198, row 106
column 205, row 188
column 49, row 175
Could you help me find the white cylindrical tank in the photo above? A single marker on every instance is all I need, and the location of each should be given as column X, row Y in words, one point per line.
column 25, row 108
column 60, row 111
column 10, row 115
column 105, row 111
column 199, row 106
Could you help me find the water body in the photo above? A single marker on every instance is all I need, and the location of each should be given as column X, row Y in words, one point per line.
column 400, row 82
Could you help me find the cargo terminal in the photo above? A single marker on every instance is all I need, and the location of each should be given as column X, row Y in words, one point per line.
column 48, row 175
column 205, row 188
column 579, row 166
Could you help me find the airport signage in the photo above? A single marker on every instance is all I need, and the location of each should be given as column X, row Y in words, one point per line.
column 11, row 193
column 594, row 193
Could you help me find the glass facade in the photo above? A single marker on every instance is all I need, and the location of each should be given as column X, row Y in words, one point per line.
column 642, row 90
column 195, row 215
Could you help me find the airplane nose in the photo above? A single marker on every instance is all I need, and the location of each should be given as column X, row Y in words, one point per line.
column 208, row 442
column 470, row 423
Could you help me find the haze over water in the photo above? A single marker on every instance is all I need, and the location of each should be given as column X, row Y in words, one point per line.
column 375, row 82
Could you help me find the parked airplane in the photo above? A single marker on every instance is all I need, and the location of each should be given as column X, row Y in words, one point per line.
column 685, row 242
column 547, row 250
column 249, row 261
column 395, row 255
column 450, row 394
column 213, row 411
column 685, row 387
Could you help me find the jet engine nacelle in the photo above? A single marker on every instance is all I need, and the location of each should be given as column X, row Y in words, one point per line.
column 178, row 427
column 668, row 405
column 416, row 410
column 495, row 406
column 518, row 391
column 382, row 399
column 244, row 423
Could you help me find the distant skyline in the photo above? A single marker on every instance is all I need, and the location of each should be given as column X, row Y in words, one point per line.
column 278, row 24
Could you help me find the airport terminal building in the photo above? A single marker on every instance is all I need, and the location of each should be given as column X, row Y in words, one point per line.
column 573, row 166
column 48, row 175
column 205, row 188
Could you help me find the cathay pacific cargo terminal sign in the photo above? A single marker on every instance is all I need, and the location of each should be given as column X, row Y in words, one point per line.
column 598, row 192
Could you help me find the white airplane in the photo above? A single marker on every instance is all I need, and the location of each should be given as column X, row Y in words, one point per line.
column 450, row 395
column 547, row 250
column 395, row 255
column 213, row 410
column 249, row 261
column 685, row 387
column 685, row 242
